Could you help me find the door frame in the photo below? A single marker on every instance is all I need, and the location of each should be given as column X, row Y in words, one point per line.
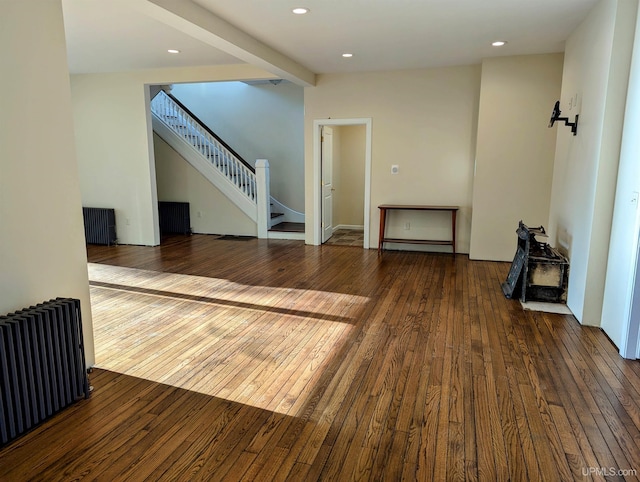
column 317, row 174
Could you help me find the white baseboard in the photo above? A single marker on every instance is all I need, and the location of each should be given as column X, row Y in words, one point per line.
column 285, row 235
column 348, row 226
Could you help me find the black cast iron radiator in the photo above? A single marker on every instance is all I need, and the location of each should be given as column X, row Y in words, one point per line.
column 42, row 365
column 100, row 225
column 174, row 217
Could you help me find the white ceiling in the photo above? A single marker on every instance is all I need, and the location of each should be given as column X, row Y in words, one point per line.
column 112, row 35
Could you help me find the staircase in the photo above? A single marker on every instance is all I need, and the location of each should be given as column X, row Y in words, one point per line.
column 247, row 187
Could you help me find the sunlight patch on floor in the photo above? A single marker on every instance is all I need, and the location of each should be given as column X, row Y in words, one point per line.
column 256, row 345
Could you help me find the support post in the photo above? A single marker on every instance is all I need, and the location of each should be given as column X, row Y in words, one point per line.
column 263, row 197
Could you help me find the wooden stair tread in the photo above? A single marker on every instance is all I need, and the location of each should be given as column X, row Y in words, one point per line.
column 288, row 227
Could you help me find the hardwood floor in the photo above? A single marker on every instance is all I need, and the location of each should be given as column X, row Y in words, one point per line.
column 270, row 360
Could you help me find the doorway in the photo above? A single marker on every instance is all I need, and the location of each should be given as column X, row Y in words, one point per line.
column 320, row 231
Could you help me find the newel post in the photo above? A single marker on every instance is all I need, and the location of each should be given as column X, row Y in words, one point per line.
column 263, row 197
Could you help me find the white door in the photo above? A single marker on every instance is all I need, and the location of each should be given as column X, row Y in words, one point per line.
column 326, row 160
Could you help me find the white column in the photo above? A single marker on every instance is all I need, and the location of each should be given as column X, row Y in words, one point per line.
column 42, row 245
column 263, row 197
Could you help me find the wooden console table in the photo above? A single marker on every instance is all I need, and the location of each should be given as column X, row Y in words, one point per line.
column 409, row 207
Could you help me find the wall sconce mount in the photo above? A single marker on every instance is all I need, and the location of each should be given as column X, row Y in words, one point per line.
column 555, row 116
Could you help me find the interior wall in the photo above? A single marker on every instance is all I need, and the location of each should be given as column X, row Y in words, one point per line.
column 349, row 194
column 111, row 138
column 211, row 211
column 42, row 245
column 515, row 151
column 115, row 146
column 424, row 121
column 594, row 84
column 621, row 283
column 262, row 121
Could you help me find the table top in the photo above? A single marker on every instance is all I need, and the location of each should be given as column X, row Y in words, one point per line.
column 419, row 207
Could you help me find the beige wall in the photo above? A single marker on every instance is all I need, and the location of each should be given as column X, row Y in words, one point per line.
column 348, row 201
column 211, row 211
column 110, row 116
column 115, row 146
column 424, row 121
column 515, row 151
column 42, row 247
column 596, row 72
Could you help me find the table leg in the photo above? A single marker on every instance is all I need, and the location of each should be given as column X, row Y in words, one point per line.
column 383, row 217
column 453, row 230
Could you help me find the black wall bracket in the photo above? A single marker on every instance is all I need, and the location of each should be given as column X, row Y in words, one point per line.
column 555, row 116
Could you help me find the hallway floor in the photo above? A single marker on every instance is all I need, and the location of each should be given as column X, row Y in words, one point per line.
column 347, row 237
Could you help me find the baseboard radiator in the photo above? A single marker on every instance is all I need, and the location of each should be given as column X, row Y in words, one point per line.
column 174, row 217
column 100, row 225
column 42, row 365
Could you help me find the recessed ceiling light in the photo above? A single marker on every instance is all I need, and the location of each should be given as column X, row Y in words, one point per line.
column 300, row 10
column 346, row 56
column 173, row 51
column 499, row 43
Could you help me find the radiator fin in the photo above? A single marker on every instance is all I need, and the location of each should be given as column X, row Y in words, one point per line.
column 174, row 217
column 42, row 364
column 100, row 225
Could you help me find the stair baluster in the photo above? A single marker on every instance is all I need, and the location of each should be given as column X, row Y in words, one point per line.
column 182, row 122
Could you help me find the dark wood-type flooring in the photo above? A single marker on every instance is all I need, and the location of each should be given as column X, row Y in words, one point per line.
column 268, row 360
column 288, row 227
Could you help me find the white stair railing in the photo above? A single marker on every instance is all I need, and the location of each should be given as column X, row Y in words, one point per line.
column 182, row 124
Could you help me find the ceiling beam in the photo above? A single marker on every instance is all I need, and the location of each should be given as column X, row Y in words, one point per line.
column 198, row 22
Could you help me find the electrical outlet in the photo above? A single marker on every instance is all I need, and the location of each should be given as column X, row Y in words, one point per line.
column 199, row 214
column 407, row 226
column 573, row 102
column 395, row 169
column 127, row 221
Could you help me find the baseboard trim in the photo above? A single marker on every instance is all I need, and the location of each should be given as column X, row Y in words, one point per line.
column 285, row 235
column 353, row 227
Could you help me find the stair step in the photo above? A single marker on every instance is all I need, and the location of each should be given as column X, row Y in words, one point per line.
column 275, row 215
column 288, row 227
